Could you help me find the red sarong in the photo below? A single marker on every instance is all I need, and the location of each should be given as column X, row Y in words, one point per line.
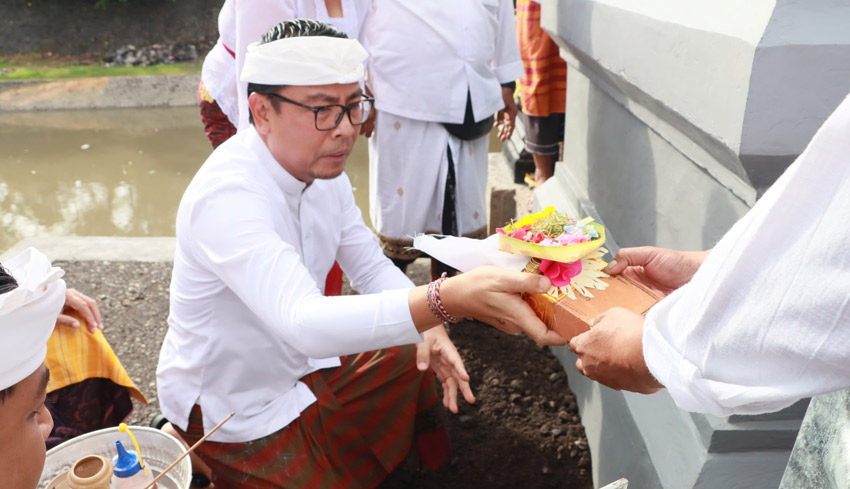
column 358, row 431
column 217, row 126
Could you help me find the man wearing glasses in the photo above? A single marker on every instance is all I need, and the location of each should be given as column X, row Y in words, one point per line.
column 258, row 229
column 250, row 332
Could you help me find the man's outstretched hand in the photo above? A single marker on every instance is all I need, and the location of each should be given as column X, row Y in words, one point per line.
column 611, row 353
column 662, row 269
column 439, row 352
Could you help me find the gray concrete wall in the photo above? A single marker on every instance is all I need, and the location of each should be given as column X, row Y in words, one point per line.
column 641, row 184
column 800, row 73
column 679, row 114
column 91, row 248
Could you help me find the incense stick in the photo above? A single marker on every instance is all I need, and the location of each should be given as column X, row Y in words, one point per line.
column 192, row 448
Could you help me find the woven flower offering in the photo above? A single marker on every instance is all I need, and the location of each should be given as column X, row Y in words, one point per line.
column 567, row 250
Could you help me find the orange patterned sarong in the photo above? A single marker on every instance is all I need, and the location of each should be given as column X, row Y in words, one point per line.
column 543, row 89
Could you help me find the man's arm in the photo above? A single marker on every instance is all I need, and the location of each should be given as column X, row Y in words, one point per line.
column 727, row 342
column 360, row 255
column 269, row 277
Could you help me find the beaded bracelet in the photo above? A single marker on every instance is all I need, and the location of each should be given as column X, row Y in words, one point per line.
column 435, row 304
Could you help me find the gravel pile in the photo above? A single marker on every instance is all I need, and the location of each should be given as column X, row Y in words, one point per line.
column 130, row 55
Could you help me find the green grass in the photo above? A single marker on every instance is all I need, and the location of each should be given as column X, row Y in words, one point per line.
column 30, row 69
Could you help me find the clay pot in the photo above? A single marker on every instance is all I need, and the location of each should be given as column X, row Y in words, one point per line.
column 91, row 472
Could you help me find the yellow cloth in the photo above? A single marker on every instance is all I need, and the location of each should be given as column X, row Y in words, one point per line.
column 204, row 95
column 75, row 354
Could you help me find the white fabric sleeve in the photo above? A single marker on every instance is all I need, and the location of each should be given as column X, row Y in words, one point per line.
column 764, row 322
column 233, row 229
column 507, row 65
column 360, row 253
column 253, row 19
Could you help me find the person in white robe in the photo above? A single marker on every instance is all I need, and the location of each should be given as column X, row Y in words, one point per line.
column 431, row 64
column 250, row 332
column 761, row 320
column 32, row 294
column 242, row 22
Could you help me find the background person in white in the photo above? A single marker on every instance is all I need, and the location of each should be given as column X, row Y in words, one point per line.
column 258, row 228
column 761, row 320
column 242, row 22
column 427, row 62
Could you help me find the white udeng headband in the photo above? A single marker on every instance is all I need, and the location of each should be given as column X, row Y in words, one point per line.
column 28, row 314
column 308, row 60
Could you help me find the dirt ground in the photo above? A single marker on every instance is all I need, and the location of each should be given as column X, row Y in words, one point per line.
column 523, row 431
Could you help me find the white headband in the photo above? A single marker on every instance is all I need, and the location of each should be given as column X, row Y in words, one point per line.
column 307, row 60
column 28, row 314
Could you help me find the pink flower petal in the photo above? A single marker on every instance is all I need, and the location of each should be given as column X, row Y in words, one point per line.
column 560, row 274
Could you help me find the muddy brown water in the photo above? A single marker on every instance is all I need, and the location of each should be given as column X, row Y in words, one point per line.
column 118, row 172
column 107, row 172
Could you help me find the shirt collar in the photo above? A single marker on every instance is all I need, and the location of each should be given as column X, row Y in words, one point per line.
column 289, row 184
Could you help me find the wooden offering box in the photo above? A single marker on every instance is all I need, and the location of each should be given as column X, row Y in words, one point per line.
column 571, row 317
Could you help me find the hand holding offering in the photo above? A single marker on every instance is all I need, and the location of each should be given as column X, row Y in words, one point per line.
column 569, row 252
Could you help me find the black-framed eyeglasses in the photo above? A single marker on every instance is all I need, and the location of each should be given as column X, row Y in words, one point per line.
column 328, row 117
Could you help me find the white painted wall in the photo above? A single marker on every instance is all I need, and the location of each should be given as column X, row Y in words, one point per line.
column 696, row 56
column 645, row 185
column 733, row 18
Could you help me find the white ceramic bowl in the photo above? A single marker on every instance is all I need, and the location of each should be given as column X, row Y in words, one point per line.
column 159, row 450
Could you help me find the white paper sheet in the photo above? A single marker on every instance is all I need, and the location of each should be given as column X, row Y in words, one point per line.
column 464, row 254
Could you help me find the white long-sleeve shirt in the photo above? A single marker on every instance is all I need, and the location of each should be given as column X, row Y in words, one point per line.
column 425, row 55
column 766, row 319
column 241, row 22
column 248, row 318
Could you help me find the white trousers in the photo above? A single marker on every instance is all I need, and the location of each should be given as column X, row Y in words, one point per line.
column 408, row 166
